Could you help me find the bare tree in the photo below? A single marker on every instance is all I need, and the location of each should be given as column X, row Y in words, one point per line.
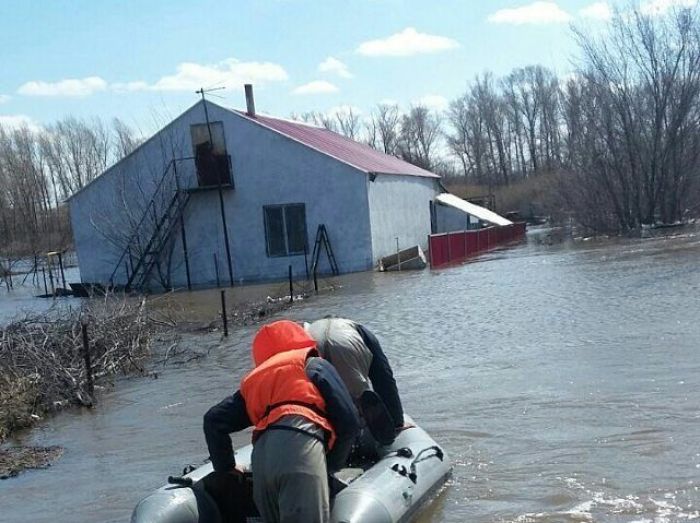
column 349, row 123
column 40, row 168
column 637, row 146
column 420, row 133
column 126, row 140
column 385, row 128
column 318, row 119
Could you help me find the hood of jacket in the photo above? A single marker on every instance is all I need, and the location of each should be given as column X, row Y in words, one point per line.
column 279, row 336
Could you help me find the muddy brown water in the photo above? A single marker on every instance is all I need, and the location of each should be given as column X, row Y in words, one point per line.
column 564, row 381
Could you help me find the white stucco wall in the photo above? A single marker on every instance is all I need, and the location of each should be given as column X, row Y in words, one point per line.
column 268, row 168
column 102, row 213
column 399, row 207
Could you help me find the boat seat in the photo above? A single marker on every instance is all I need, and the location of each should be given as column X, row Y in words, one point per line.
column 338, row 481
column 348, row 475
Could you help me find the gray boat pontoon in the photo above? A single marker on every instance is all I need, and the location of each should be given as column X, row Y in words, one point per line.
column 392, row 489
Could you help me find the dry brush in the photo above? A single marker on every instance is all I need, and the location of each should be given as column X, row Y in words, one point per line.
column 42, row 361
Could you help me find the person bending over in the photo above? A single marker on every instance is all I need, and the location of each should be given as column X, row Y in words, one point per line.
column 300, row 409
column 361, row 363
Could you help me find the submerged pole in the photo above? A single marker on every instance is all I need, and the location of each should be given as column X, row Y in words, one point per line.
column 216, row 270
column 184, row 249
column 43, row 273
column 60, row 266
column 223, row 312
column 88, row 363
column 398, row 254
column 221, row 193
column 53, row 287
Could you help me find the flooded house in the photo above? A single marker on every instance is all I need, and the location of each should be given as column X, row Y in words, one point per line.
column 229, row 196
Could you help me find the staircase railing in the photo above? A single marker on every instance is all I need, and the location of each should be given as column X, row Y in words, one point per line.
column 151, row 215
column 151, row 233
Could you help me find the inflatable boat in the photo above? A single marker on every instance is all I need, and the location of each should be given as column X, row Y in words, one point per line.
column 391, row 488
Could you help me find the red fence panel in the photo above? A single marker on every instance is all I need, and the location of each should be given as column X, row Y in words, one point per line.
column 438, row 249
column 458, row 246
column 472, row 241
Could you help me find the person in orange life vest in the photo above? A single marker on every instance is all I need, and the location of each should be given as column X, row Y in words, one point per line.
column 299, row 407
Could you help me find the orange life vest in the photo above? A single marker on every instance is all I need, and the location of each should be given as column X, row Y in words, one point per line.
column 279, row 387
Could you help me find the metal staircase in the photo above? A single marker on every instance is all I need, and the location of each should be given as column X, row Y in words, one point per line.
column 150, row 236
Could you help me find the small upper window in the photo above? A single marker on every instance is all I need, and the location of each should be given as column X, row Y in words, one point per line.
column 209, row 147
column 285, row 229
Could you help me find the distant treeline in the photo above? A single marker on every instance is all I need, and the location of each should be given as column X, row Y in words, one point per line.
column 40, row 168
column 614, row 145
column 619, row 138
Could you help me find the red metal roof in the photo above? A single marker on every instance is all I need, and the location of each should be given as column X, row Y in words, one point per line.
column 356, row 154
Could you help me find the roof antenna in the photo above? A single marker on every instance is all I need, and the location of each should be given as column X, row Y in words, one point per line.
column 203, row 92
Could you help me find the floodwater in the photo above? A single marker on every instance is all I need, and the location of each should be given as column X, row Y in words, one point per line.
column 22, row 299
column 564, row 382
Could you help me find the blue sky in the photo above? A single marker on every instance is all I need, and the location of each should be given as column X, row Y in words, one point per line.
column 142, row 60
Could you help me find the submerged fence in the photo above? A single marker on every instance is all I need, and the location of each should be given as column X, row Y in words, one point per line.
column 452, row 247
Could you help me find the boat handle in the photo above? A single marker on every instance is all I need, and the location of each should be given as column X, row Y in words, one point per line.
column 403, row 471
column 180, row 480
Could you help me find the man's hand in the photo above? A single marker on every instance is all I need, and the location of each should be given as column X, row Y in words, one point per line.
column 404, row 427
column 236, row 471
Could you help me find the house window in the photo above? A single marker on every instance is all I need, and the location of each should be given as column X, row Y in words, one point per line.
column 211, row 159
column 285, row 229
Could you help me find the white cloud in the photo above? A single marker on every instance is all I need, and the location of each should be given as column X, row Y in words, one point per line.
column 316, row 87
column 335, row 66
column 408, row 42
column 597, row 11
column 4, row 98
column 129, row 87
column 660, row 7
column 18, row 121
column 534, row 13
column 190, row 76
column 68, row 87
column 433, row 101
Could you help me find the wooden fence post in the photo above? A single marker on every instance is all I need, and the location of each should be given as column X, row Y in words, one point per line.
column 88, row 363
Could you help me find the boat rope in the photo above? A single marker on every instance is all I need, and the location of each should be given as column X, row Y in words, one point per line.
column 410, row 472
